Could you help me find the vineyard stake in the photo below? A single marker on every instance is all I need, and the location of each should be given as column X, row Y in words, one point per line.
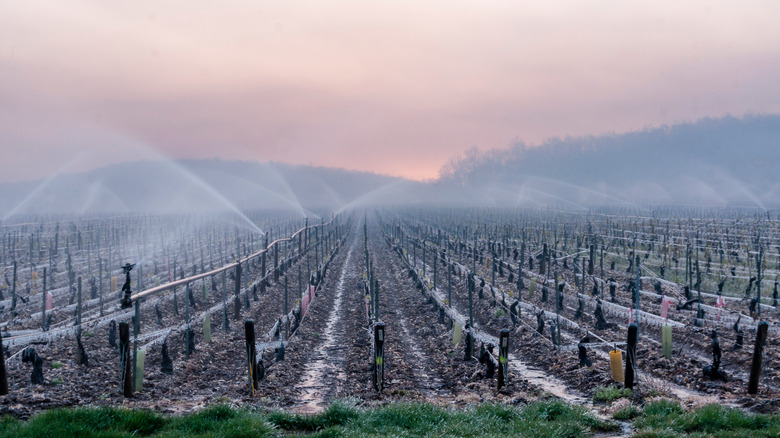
column 759, row 257
column 100, row 277
column 286, row 310
column 376, row 296
column 631, row 355
column 187, row 331
column 590, row 259
column 78, row 307
column 251, row 354
column 136, row 331
column 503, row 358
column 3, row 374
column 425, row 268
column 435, row 265
column 276, row 262
column 237, row 297
column 449, row 289
column 636, row 285
column 246, row 286
column 379, row 353
column 125, row 374
column 262, row 276
column 43, row 302
column 13, row 290
column 225, row 325
column 758, row 354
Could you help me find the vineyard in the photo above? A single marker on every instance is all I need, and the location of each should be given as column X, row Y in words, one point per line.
column 448, row 305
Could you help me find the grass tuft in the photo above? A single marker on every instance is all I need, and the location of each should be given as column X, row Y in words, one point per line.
column 606, row 394
column 337, row 414
column 625, row 413
column 88, row 422
column 667, row 418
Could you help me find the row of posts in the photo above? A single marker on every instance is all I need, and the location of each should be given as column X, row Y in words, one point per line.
column 629, row 373
column 503, row 350
column 126, row 362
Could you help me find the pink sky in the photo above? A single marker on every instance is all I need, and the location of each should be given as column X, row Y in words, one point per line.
column 392, row 87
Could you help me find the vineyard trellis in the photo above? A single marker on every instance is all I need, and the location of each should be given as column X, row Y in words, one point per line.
column 519, row 292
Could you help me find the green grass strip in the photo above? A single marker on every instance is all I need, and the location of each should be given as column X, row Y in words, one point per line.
column 540, row 419
column 665, row 418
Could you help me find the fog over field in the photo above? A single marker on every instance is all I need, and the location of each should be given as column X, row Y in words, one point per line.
column 711, row 163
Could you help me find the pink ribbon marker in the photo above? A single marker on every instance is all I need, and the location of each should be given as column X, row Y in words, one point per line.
column 720, row 303
column 665, row 307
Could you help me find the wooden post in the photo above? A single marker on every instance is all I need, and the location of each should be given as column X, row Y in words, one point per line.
column 125, row 373
column 13, row 290
column 262, row 276
column 636, row 285
column 590, row 259
column 3, row 374
column 376, row 296
column 100, row 282
column 493, row 266
column 286, row 310
column 78, row 306
column 503, row 358
column 276, row 262
column 435, row 267
column 601, row 261
column 631, row 355
column 251, row 354
column 136, row 331
column 449, row 286
column 425, row 250
column 225, row 324
column 237, row 296
column 246, row 286
column 207, row 328
column 43, row 302
column 759, row 257
column 379, row 356
column 187, row 330
column 472, row 285
column 758, row 354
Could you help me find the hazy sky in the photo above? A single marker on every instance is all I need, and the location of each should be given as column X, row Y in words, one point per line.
column 393, row 87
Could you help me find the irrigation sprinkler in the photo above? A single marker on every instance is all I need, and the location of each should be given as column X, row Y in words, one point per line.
column 126, row 301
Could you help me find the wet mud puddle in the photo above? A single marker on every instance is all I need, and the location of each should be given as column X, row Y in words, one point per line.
column 326, row 368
